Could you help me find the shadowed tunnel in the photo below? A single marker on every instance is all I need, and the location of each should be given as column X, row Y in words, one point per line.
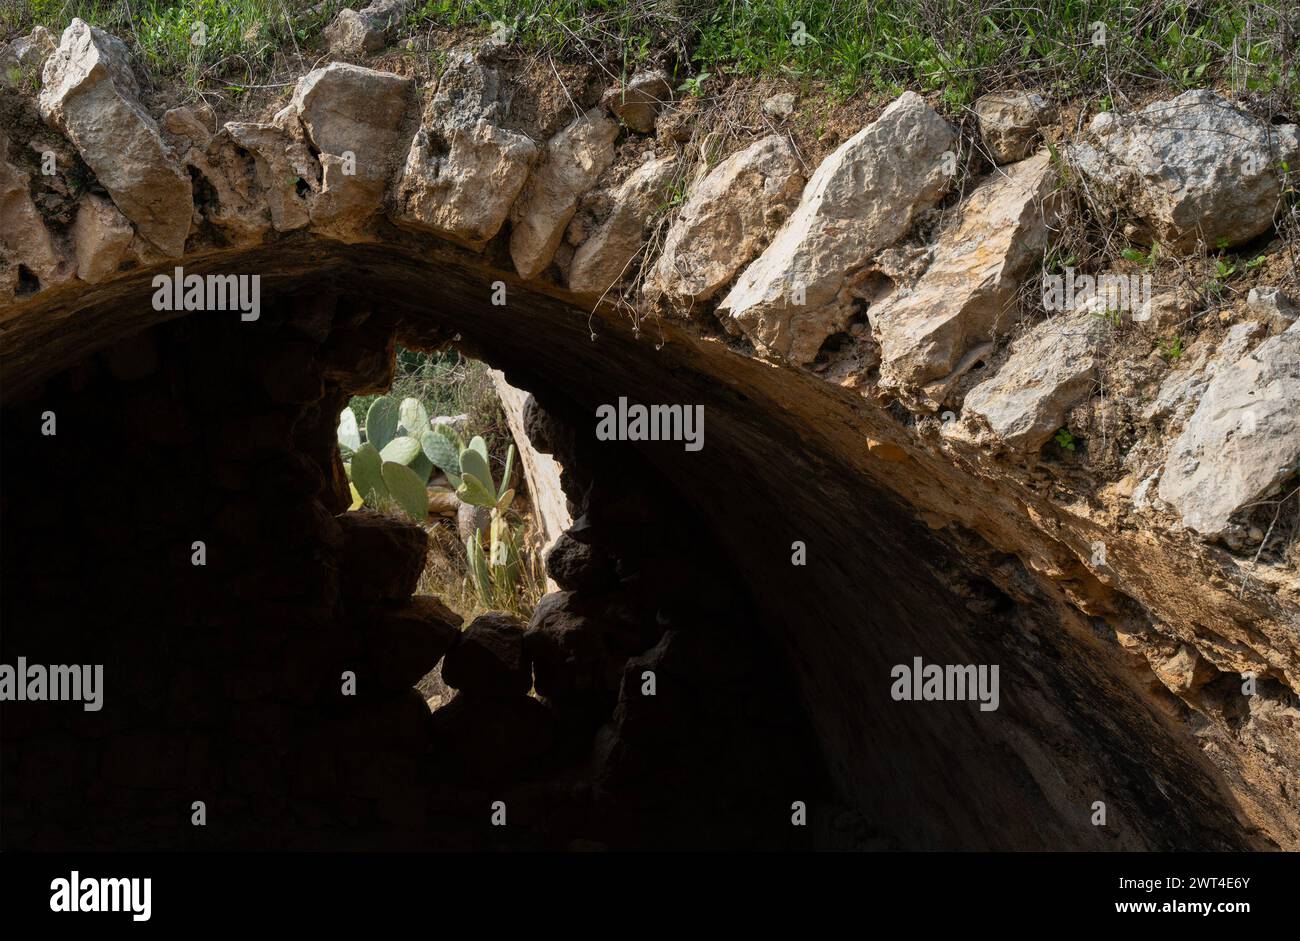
column 790, row 665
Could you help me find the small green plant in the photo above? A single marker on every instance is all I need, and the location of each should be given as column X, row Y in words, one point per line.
column 674, row 196
column 1112, row 316
column 1145, row 259
column 1172, row 350
column 1065, row 440
column 1224, row 268
column 694, row 86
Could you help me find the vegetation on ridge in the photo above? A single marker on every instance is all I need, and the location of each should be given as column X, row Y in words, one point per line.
column 961, row 48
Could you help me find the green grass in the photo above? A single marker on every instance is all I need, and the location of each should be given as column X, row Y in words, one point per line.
column 960, row 48
column 195, row 39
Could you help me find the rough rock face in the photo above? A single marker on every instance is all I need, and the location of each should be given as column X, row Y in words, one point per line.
column 570, row 165
column 546, row 495
column 350, row 109
column 967, row 294
column 359, row 32
column 566, row 647
column 638, row 102
column 1166, row 309
column 463, row 171
column 281, row 165
column 1242, row 440
column 26, row 55
column 1273, row 307
column 489, row 658
column 1050, row 369
column 1009, row 122
column 24, row 237
column 1192, row 169
column 404, row 638
column 1183, row 388
column 727, row 219
column 279, row 192
column 102, row 236
column 605, row 257
column 860, row 199
column 384, row 560
column 89, row 94
column 352, row 116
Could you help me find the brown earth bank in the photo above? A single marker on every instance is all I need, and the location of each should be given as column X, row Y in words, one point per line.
column 883, row 477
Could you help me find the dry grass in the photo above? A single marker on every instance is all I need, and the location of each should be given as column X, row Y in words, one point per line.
column 447, row 577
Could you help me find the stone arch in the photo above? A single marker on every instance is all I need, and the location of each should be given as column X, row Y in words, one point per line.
column 917, row 548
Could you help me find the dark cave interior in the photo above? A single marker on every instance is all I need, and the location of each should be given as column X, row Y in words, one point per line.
column 222, row 680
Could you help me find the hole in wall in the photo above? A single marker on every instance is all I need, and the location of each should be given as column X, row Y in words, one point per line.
column 28, row 283
column 262, row 642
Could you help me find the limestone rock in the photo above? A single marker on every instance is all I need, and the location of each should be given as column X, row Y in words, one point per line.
column 353, row 117
column 489, row 659
column 546, row 497
column 1050, row 369
column 573, row 160
column 90, row 96
column 1183, row 388
column 1166, row 310
column 1274, row 309
column 350, row 34
column 1192, row 168
column 604, row 258
column 284, row 169
column 580, row 566
column 361, row 32
column 638, row 102
column 862, row 198
column 101, row 237
column 26, row 56
column 349, row 109
column 183, row 123
column 237, row 207
column 23, row 234
column 1183, row 671
column 1242, row 440
column 726, row 220
column 1009, row 122
column 779, row 106
column 967, row 295
column 463, row 170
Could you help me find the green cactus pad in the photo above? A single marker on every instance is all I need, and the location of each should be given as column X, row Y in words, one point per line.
column 401, row 450
column 413, row 417
column 381, row 422
column 349, row 436
column 407, row 489
column 473, row 464
column 442, row 446
column 472, row 490
column 367, row 474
